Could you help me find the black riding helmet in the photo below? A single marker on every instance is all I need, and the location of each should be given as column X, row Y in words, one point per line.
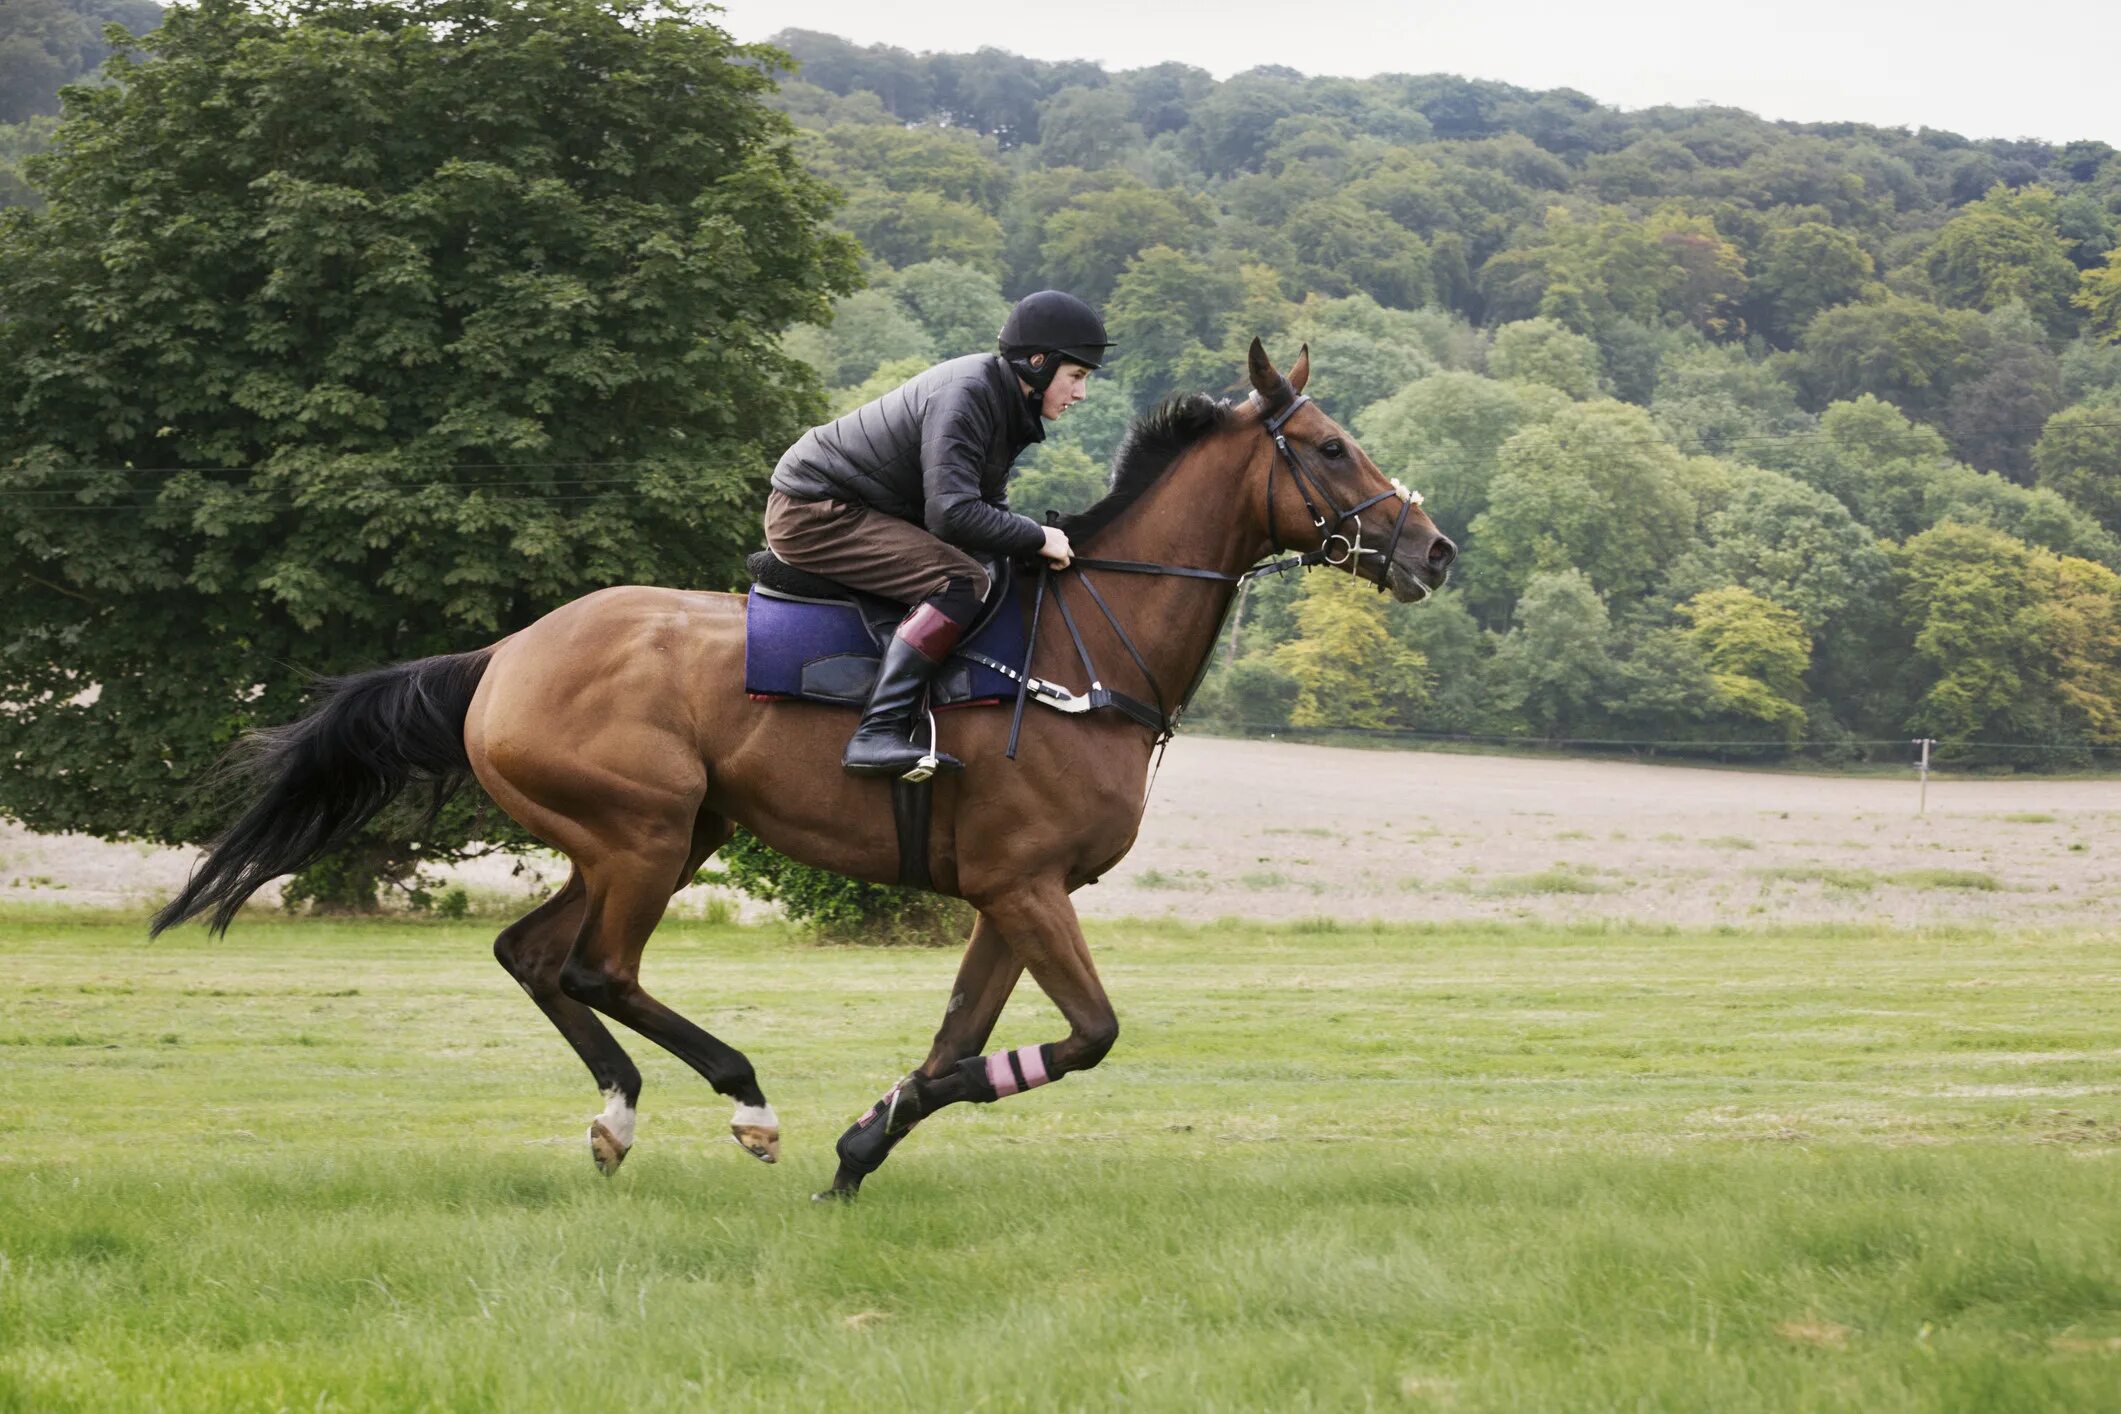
column 1057, row 324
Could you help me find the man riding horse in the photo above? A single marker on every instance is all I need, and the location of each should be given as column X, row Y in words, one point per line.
column 895, row 498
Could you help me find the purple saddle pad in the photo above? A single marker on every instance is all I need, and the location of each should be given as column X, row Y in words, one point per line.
column 820, row 650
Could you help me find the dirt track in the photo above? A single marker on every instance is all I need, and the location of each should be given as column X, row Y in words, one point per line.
column 1276, row 830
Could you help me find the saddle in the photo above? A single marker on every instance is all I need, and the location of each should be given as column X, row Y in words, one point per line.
column 812, row 639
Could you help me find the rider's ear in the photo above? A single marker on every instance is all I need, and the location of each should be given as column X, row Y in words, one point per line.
column 1266, row 381
column 1038, row 360
column 1301, row 374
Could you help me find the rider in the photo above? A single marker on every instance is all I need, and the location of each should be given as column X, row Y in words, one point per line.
column 890, row 498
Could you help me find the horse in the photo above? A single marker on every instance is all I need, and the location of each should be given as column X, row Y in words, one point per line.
column 616, row 729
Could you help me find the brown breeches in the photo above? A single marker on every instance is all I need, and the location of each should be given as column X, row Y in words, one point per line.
column 866, row 549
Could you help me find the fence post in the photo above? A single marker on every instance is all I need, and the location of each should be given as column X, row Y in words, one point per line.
column 1922, row 800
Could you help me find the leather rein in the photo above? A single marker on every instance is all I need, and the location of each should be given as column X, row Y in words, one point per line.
column 1161, row 717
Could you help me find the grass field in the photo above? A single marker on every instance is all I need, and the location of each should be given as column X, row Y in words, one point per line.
column 1476, row 1167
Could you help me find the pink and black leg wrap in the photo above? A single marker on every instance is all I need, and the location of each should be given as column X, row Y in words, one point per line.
column 1006, row 1072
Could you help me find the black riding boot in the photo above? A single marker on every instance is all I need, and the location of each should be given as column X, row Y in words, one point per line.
column 882, row 745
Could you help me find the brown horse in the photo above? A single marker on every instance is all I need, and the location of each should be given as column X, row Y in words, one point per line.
column 616, row 729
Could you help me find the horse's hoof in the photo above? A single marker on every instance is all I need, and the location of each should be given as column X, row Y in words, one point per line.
column 836, row 1195
column 757, row 1130
column 605, row 1148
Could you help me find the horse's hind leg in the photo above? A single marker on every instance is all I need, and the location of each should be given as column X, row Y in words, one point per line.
column 533, row 949
column 1035, row 931
column 627, row 891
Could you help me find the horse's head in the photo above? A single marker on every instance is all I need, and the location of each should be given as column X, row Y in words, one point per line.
column 1322, row 493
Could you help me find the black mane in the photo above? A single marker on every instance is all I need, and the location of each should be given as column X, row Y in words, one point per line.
column 1153, row 442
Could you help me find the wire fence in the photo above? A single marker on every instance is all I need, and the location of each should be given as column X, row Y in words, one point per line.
column 1849, row 751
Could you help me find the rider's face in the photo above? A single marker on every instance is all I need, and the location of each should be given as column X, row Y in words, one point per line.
column 1069, row 387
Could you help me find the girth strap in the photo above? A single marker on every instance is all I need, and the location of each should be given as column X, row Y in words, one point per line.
column 912, row 804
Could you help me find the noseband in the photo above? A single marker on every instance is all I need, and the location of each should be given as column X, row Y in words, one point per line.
column 1313, row 490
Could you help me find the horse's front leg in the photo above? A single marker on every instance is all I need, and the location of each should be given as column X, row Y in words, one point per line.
column 1036, row 930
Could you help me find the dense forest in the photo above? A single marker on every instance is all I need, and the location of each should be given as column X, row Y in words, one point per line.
column 1751, row 431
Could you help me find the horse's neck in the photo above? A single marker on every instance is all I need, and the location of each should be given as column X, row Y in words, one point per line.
column 1195, row 516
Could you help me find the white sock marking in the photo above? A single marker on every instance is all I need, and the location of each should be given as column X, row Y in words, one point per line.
column 755, row 1117
column 618, row 1117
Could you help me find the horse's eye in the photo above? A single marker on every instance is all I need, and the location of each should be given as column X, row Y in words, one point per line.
column 1334, row 447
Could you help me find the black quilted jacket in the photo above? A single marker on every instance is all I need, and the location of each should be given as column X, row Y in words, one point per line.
column 936, row 451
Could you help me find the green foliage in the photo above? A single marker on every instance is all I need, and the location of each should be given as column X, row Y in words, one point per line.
column 2015, row 643
column 1086, row 246
column 327, row 311
column 1544, row 352
column 1756, row 653
column 2006, row 249
column 2099, row 296
column 838, row 909
column 960, row 306
column 2079, row 457
column 47, row 43
column 1553, row 667
column 1442, row 435
column 1348, row 669
column 1801, row 271
column 1060, row 477
column 1175, row 311
column 1593, row 489
column 1898, row 348
column 906, row 228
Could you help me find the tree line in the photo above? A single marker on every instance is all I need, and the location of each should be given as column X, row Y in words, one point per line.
column 1751, row 431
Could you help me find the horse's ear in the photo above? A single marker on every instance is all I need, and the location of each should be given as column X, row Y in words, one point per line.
column 1266, row 379
column 1301, row 374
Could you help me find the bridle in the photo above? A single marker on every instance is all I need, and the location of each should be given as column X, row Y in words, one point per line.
column 1313, row 490
column 1161, row 717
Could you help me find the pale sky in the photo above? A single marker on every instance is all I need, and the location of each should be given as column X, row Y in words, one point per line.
column 2048, row 69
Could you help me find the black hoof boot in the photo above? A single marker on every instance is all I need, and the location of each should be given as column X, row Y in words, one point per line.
column 870, row 1139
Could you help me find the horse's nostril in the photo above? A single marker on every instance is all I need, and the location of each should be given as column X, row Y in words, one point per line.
column 1441, row 553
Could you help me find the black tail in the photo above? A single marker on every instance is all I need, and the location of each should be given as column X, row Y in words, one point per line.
column 325, row 776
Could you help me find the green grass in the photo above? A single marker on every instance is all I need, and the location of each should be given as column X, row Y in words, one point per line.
column 1864, row 880
column 1330, row 1165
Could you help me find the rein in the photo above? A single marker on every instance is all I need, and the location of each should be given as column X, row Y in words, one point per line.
column 1160, row 717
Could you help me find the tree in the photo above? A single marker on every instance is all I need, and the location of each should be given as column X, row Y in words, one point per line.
column 357, row 333
column 1904, row 350
column 2099, row 296
column 1591, row 489
column 907, row 228
column 868, row 330
column 2079, row 456
column 1553, row 668
column 961, row 307
column 1086, row 127
column 1349, row 670
column 1056, row 478
column 1789, row 544
column 46, row 43
column 1087, row 246
column 2005, row 249
column 1544, row 352
column 2014, row 643
column 1170, row 311
column 1800, row 271
column 1996, row 415
column 1756, row 653
column 1441, row 435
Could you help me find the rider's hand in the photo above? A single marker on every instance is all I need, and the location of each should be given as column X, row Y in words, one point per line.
column 1057, row 551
